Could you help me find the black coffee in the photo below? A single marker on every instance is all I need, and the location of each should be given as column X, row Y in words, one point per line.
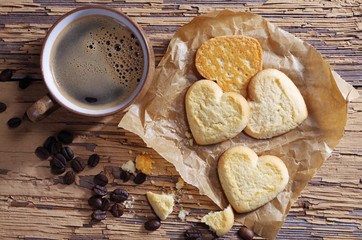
column 97, row 62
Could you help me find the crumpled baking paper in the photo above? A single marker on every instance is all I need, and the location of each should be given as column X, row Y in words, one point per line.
column 160, row 118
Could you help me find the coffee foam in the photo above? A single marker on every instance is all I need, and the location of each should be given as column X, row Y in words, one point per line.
column 97, row 57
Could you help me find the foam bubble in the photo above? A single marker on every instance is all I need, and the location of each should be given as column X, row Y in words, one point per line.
column 117, row 47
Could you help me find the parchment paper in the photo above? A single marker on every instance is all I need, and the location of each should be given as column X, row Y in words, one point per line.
column 160, row 118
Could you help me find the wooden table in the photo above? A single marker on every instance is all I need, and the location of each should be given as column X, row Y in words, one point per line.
column 36, row 205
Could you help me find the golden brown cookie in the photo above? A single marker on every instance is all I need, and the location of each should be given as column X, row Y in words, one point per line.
column 250, row 181
column 230, row 60
column 276, row 105
column 215, row 116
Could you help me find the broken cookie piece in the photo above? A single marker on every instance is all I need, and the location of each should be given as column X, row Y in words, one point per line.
column 182, row 214
column 180, row 183
column 162, row 204
column 129, row 167
column 220, row 222
column 144, row 164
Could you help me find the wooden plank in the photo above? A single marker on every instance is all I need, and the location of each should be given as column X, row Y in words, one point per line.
column 333, row 28
column 329, row 203
column 36, row 205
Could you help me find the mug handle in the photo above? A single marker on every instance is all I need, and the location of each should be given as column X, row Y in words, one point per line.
column 41, row 109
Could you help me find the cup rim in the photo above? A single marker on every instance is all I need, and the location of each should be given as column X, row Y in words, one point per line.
column 144, row 39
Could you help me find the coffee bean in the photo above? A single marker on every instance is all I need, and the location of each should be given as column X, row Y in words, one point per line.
column 93, row 160
column 14, row 122
column 56, row 170
column 105, row 204
column 117, row 210
column 6, row 75
column 58, row 161
column 69, row 178
column 77, row 164
column 125, row 175
column 245, row 233
column 91, row 99
column 49, row 143
column 100, row 190
column 192, row 234
column 152, row 225
column 65, row 137
column 100, row 179
column 140, row 178
column 42, row 153
column 24, row 83
column 67, row 153
column 56, row 147
column 132, row 177
column 99, row 215
column 2, row 107
column 95, row 202
column 119, row 195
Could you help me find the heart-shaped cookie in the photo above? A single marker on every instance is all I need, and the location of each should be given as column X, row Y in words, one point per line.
column 276, row 105
column 250, row 181
column 230, row 60
column 215, row 116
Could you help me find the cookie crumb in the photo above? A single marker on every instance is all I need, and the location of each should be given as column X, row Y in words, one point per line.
column 153, row 182
column 190, row 197
column 129, row 203
column 182, row 214
column 178, row 198
column 180, row 183
column 129, row 167
column 130, row 151
column 144, row 164
column 191, row 142
column 188, row 134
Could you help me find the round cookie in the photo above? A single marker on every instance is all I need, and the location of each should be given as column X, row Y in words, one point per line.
column 230, row 60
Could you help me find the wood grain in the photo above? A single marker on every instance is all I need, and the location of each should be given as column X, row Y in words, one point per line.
column 34, row 204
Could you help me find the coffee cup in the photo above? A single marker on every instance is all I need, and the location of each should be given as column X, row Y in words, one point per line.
column 95, row 61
